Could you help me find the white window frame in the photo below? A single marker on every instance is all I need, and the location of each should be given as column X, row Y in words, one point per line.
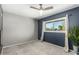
column 54, row 20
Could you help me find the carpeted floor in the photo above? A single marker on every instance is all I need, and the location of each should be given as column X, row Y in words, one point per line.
column 34, row 48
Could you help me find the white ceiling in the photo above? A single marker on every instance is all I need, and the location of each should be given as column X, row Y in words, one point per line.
column 25, row 10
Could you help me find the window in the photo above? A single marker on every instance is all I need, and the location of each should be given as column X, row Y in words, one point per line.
column 55, row 26
column 49, row 26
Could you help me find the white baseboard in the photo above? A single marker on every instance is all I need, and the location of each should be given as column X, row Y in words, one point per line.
column 18, row 44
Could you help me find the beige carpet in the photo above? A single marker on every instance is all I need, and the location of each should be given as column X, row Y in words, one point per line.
column 35, row 48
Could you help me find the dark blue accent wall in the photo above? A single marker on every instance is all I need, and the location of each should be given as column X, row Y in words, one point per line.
column 55, row 38
column 58, row 38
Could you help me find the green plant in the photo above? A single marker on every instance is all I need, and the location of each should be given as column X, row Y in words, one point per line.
column 74, row 35
column 60, row 27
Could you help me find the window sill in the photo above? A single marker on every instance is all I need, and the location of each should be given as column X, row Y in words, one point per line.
column 56, row 31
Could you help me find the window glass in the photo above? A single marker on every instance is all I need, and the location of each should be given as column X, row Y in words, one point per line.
column 59, row 25
column 55, row 26
column 49, row 26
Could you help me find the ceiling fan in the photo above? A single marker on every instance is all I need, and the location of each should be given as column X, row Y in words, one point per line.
column 41, row 7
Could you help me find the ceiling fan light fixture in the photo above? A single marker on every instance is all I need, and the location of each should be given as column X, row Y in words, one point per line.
column 41, row 12
column 41, row 7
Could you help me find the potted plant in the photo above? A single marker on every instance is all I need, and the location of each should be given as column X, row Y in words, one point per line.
column 74, row 37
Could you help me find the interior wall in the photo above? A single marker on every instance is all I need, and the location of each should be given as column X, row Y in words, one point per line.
column 0, row 24
column 0, row 17
column 0, row 27
column 17, row 29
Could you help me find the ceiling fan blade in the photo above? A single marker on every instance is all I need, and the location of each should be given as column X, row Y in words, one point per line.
column 34, row 8
column 48, row 8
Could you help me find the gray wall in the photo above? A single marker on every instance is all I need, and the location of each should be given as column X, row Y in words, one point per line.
column 17, row 29
column 0, row 23
column 73, row 20
column 0, row 17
